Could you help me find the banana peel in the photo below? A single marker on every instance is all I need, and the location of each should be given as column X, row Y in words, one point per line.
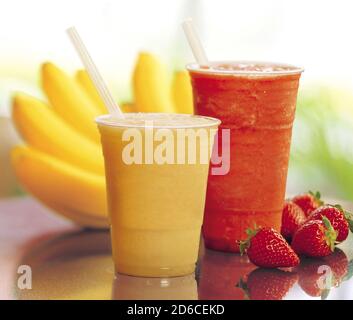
column 182, row 92
column 151, row 86
column 73, row 192
column 85, row 81
column 41, row 128
column 70, row 101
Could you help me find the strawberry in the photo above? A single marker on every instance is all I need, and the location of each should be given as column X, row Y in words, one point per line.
column 292, row 217
column 315, row 238
column 337, row 218
column 308, row 201
column 267, row 248
column 267, row 284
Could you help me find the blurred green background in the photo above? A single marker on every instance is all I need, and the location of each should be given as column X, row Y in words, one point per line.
column 322, row 151
column 313, row 34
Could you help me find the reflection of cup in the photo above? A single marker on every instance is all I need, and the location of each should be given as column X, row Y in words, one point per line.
column 74, row 265
column 155, row 205
column 219, row 273
column 138, row 288
column 267, row 284
column 256, row 101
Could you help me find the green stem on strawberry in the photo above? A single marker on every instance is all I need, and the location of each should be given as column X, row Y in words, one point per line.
column 317, row 197
column 244, row 244
column 330, row 233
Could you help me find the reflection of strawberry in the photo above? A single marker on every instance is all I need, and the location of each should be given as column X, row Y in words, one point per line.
column 309, row 277
column 292, row 217
column 308, row 201
column 267, row 248
column 338, row 262
column 315, row 238
column 349, row 273
column 318, row 276
column 336, row 217
column 218, row 271
column 267, row 284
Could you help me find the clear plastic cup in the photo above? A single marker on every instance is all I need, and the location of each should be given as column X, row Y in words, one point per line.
column 155, row 204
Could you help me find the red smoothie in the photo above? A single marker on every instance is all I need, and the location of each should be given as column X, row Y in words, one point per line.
column 257, row 102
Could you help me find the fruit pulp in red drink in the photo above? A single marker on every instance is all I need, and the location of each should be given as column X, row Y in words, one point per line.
column 256, row 102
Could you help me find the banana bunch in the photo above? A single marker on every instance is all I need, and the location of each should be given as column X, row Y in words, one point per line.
column 61, row 163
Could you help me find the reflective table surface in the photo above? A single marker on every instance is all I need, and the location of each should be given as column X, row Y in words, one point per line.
column 67, row 262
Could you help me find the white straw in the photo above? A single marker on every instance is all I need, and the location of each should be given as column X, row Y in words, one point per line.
column 195, row 43
column 94, row 74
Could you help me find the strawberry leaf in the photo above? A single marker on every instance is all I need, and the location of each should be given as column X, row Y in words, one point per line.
column 245, row 244
column 326, row 222
column 317, row 197
column 330, row 233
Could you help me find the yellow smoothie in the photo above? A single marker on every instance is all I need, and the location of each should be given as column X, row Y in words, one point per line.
column 155, row 199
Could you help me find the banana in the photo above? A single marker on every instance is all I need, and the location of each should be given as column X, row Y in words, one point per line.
column 72, row 191
column 182, row 92
column 70, row 101
column 85, row 81
column 43, row 129
column 151, row 86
